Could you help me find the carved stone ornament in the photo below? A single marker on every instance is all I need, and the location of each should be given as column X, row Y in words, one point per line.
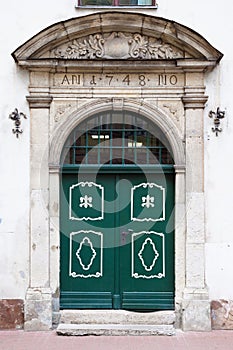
column 117, row 45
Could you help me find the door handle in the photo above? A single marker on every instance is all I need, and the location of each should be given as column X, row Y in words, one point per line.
column 124, row 234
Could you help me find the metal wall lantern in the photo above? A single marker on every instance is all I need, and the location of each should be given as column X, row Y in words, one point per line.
column 16, row 116
column 218, row 115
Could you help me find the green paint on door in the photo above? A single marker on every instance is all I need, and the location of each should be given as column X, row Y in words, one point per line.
column 117, row 241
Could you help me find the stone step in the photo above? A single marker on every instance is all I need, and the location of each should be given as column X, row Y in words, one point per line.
column 121, row 317
column 114, row 329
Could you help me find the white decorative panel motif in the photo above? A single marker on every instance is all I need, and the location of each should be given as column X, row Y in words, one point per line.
column 86, row 241
column 147, row 202
column 86, row 201
column 155, row 257
column 85, row 265
column 148, row 255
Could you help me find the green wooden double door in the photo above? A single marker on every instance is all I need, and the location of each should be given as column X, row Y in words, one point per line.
column 117, row 241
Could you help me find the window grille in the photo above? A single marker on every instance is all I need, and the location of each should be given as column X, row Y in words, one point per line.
column 116, row 138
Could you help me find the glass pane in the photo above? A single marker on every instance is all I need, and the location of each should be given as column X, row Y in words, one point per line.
column 117, row 156
column 67, row 156
column 129, row 135
column 80, row 154
column 166, row 157
column 104, row 155
column 96, row 2
column 117, row 118
column 116, row 2
column 153, row 155
column 142, row 138
column 117, row 138
column 117, row 161
column 81, row 141
column 93, row 138
column 92, row 123
column 142, row 155
column 129, row 156
column 152, row 141
column 92, row 156
column 135, row 2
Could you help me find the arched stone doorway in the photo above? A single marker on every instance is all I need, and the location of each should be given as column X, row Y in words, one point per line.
column 144, row 64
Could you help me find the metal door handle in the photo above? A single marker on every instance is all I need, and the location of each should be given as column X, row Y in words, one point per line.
column 124, row 234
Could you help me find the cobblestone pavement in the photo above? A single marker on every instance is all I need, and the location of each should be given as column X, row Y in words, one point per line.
column 20, row 340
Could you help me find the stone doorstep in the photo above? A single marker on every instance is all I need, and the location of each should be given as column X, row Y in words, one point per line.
column 121, row 317
column 114, row 329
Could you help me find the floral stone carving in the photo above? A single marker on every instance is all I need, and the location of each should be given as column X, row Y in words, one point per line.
column 117, row 45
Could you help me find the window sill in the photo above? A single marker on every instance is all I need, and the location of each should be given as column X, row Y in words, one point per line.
column 154, row 7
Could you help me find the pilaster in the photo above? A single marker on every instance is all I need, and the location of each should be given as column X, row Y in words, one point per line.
column 38, row 303
column 195, row 306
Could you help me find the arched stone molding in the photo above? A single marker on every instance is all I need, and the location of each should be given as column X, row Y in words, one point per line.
column 181, row 41
column 157, row 117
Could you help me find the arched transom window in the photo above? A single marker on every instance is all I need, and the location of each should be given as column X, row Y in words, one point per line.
column 116, row 138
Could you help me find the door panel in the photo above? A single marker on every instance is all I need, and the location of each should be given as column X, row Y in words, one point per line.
column 147, row 254
column 87, row 242
column 116, row 251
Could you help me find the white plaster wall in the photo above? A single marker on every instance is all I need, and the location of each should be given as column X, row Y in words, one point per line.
column 213, row 20
column 20, row 21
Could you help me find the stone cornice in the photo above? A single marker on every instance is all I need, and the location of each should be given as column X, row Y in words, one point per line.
column 39, row 101
column 84, row 65
column 179, row 169
column 54, row 65
column 194, row 102
column 54, row 168
column 191, row 65
column 118, row 36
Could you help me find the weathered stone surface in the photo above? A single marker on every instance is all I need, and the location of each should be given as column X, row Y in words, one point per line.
column 196, row 315
column 183, row 38
column 113, row 45
column 222, row 314
column 113, row 329
column 195, row 217
column 38, row 310
column 195, row 266
column 117, row 317
column 11, row 313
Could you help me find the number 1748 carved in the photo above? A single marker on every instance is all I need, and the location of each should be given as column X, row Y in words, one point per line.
column 118, row 80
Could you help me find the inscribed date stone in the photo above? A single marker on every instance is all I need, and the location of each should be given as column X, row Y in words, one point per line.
column 118, row 80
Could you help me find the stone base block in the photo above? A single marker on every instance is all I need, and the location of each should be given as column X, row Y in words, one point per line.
column 114, row 329
column 122, row 317
column 196, row 315
column 38, row 310
column 222, row 314
column 11, row 314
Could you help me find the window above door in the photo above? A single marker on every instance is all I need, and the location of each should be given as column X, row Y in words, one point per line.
column 116, row 3
column 116, row 138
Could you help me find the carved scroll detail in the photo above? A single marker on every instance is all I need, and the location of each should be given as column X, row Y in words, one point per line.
column 117, row 45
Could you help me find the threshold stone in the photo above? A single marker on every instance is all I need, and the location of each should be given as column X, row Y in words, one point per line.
column 114, row 329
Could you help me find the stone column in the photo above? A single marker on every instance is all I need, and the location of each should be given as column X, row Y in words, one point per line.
column 38, row 304
column 195, row 306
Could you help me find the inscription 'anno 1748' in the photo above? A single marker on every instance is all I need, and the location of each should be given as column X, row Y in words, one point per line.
column 117, row 80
